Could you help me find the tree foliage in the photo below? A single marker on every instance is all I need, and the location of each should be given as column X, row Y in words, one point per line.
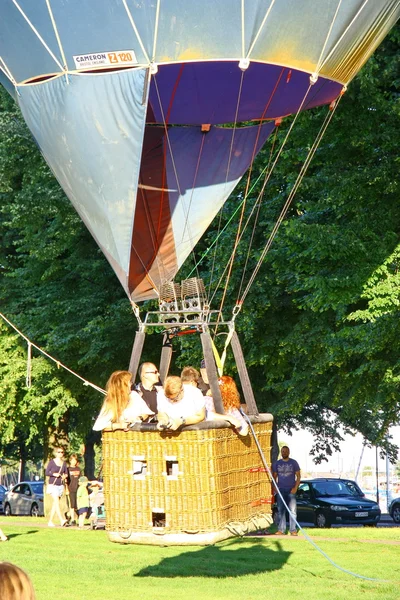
column 319, row 327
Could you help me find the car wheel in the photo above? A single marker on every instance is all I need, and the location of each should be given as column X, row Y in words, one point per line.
column 34, row 510
column 321, row 521
column 7, row 510
column 396, row 513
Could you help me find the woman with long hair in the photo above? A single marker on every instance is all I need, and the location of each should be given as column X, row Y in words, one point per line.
column 231, row 402
column 121, row 405
column 57, row 473
column 15, row 583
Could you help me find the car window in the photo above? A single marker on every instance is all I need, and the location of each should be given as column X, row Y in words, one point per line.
column 26, row 490
column 303, row 491
column 351, row 489
column 336, row 488
column 17, row 489
column 37, row 487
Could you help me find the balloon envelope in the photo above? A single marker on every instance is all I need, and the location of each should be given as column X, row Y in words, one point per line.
column 116, row 92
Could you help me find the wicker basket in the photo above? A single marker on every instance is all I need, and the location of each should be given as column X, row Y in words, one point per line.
column 196, row 486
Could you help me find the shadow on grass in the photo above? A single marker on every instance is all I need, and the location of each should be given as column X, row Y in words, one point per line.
column 14, row 535
column 221, row 561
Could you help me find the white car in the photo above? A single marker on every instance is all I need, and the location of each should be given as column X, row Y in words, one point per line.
column 25, row 498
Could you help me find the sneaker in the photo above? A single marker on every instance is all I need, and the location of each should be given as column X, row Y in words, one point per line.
column 50, row 524
column 4, row 539
column 279, row 533
column 293, row 533
column 65, row 524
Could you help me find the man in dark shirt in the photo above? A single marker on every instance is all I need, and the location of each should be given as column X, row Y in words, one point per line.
column 286, row 473
column 149, row 383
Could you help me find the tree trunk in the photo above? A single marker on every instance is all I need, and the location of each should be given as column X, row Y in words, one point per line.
column 92, row 438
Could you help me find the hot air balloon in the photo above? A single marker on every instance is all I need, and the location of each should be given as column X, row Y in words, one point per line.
column 136, row 107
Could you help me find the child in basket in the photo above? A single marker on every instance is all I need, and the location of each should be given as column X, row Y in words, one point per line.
column 82, row 500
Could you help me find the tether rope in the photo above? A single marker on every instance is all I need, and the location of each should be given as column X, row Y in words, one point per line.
column 307, row 537
column 57, row 362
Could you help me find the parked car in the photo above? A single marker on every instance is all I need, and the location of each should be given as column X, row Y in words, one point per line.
column 325, row 502
column 394, row 510
column 25, row 498
column 2, row 496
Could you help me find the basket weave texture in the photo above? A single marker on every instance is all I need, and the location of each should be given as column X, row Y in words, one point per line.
column 191, row 481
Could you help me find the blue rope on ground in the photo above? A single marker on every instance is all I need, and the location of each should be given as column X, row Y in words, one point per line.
column 307, row 537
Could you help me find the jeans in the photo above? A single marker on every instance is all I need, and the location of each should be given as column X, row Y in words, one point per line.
column 290, row 500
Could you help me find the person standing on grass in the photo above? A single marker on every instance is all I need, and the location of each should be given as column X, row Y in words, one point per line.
column 74, row 473
column 286, row 472
column 57, row 473
column 82, row 498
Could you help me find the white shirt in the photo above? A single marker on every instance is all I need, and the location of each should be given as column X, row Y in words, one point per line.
column 136, row 406
column 191, row 403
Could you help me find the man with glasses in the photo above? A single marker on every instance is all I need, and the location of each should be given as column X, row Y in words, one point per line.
column 149, row 384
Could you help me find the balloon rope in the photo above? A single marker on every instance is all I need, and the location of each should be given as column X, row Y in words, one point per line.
column 135, row 29
column 192, row 193
column 257, row 205
column 186, row 214
column 343, row 34
column 35, row 31
column 58, row 363
column 53, row 22
column 246, row 193
column 271, row 171
column 288, row 202
column 318, row 67
column 226, row 179
column 270, row 477
column 7, row 72
column 260, row 28
column 156, row 30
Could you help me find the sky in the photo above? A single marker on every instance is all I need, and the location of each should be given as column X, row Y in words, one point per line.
column 346, row 460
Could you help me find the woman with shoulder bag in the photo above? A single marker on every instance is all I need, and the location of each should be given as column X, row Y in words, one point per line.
column 57, row 473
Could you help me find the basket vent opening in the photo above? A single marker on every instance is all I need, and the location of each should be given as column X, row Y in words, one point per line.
column 158, row 519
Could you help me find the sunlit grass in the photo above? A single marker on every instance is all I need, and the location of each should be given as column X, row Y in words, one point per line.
column 67, row 563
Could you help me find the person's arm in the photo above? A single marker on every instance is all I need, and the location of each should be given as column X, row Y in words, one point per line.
column 296, row 485
column 191, row 420
column 275, row 476
column 241, row 428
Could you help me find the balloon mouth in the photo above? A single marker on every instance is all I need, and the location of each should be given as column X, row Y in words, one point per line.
column 48, row 76
column 40, row 79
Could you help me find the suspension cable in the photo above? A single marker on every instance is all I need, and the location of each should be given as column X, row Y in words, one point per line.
column 274, row 165
column 227, row 170
column 289, row 200
column 246, row 193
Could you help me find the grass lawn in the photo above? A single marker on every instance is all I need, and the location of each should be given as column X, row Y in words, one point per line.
column 70, row 564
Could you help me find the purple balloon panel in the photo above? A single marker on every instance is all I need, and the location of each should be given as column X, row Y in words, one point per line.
column 219, row 92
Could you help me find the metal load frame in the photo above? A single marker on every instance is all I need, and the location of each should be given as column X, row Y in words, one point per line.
column 184, row 309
